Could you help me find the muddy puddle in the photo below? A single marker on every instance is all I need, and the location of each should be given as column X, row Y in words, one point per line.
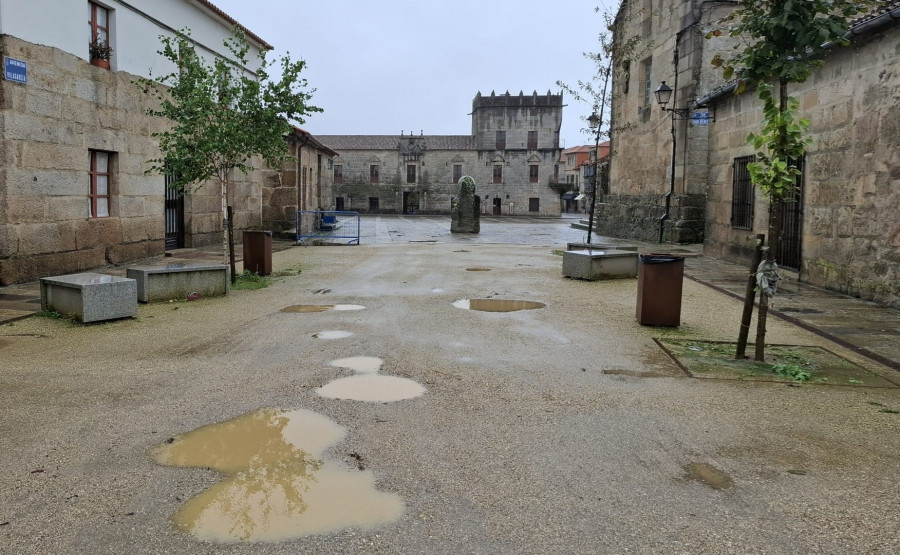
column 306, row 308
column 497, row 305
column 478, row 269
column 368, row 385
column 277, row 486
column 333, row 334
column 709, row 475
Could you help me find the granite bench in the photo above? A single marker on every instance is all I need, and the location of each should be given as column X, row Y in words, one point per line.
column 593, row 264
column 179, row 280
column 90, row 297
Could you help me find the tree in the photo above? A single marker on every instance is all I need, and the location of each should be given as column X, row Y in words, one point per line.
column 783, row 41
column 223, row 114
column 598, row 91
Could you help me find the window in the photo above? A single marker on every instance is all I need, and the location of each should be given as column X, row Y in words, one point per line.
column 498, row 173
column 373, row 204
column 532, row 140
column 99, row 23
column 647, row 78
column 556, row 173
column 533, row 173
column 410, row 173
column 742, row 194
column 626, row 75
column 98, row 196
column 457, row 172
column 570, row 159
column 534, row 204
column 373, row 173
column 338, row 173
column 501, row 140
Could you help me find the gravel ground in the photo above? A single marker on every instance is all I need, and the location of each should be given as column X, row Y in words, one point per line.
column 558, row 430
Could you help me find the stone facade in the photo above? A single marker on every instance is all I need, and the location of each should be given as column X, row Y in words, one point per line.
column 49, row 128
column 512, row 156
column 849, row 239
column 850, row 232
column 302, row 183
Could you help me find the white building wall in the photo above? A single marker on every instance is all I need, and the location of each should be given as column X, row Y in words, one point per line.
column 134, row 31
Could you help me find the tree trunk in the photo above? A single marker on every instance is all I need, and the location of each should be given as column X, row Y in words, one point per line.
column 749, row 300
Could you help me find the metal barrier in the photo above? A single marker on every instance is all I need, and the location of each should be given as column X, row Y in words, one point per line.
column 326, row 225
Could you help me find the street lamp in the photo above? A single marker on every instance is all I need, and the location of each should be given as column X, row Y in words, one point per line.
column 594, row 121
column 663, row 94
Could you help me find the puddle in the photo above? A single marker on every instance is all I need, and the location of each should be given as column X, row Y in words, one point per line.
column 304, row 308
column 333, row 334
column 709, row 475
column 437, row 290
column 363, row 365
column 277, row 487
column 497, row 305
column 478, row 269
column 371, row 388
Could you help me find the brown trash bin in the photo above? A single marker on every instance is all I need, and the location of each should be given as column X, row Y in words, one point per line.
column 258, row 252
column 660, row 278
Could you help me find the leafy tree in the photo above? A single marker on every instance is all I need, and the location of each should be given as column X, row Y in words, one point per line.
column 783, row 41
column 222, row 113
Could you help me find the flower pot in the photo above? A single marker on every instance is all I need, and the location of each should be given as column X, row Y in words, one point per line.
column 100, row 63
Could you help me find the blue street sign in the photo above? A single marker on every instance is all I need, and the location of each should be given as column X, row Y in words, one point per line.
column 16, row 70
column 700, row 118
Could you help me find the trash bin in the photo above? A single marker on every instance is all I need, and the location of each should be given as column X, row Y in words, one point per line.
column 660, row 278
column 258, row 252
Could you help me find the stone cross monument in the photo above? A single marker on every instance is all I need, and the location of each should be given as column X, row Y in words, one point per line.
column 465, row 209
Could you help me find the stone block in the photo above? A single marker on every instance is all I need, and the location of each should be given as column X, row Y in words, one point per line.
column 177, row 281
column 593, row 265
column 97, row 232
column 89, row 296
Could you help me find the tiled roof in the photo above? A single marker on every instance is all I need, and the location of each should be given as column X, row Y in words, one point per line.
column 216, row 10
column 392, row 142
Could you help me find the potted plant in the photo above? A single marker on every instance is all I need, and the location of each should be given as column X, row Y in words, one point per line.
column 100, row 52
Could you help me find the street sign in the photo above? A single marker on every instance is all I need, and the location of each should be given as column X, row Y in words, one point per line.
column 16, row 70
column 700, row 118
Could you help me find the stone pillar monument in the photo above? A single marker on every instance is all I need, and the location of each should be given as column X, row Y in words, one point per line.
column 465, row 212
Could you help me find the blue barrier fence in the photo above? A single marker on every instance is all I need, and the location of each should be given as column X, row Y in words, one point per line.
column 327, row 226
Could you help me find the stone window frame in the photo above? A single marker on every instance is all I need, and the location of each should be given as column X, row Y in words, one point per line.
column 374, row 173
column 533, row 173
column 743, row 193
column 532, row 140
column 647, row 80
column 500, row 140
column 338, row 174
column 534, row 204
column 457, row 172
column 95, row 24
column 95, row 196
column 410, row 173
column 498, row 174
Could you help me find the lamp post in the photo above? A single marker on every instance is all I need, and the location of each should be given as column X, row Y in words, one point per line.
column 594, row 123
column 663, row 95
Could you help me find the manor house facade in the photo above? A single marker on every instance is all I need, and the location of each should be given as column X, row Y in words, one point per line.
column 512, row 154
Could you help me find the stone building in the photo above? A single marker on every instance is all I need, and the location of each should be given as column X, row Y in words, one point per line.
column 302, row 183
column 844, row 228
column 511, row 154
column 75, row 138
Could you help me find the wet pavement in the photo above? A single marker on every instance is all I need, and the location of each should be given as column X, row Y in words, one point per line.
column 865, row 327
column 203, row 427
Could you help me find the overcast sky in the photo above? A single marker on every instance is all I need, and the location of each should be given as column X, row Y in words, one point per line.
column 380, row 67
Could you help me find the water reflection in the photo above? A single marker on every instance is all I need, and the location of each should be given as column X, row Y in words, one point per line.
column 277, row 485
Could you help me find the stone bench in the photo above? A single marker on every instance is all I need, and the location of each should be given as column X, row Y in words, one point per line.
column 179, row 280
column 593, row 264
column 89, row 296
